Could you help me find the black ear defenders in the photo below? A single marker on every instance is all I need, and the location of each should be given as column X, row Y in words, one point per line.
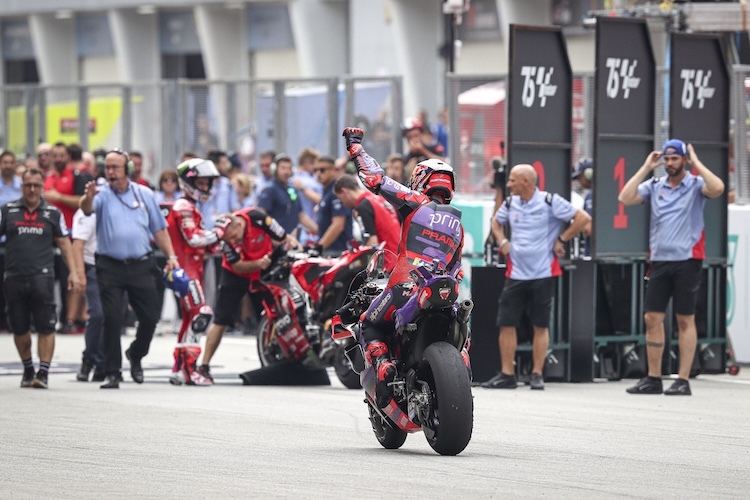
column 129, row 165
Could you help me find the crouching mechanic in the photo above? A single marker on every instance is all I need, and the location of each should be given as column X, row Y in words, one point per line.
column 190, row 242
column 432, row 229
column 250, row 236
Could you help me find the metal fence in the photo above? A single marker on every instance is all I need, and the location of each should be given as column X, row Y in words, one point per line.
column 163, row 120
column 739, row 156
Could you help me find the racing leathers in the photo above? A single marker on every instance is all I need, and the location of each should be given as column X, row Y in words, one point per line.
column 190, row 242
column 430, row 230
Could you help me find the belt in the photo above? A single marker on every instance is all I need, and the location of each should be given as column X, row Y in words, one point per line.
column 124, row 261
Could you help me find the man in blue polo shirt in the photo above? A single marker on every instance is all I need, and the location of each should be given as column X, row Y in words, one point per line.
column 535, row 218
column 127, row 215
column 334, row 219
column 676, row 243
column 281, row 201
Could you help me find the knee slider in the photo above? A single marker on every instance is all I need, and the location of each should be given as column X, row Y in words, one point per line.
column 202, row 319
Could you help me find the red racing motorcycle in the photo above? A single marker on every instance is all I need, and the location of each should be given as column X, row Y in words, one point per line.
column 304, row 293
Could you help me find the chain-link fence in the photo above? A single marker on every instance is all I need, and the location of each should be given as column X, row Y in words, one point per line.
column 164, row 120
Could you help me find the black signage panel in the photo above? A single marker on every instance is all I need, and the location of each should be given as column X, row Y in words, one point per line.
column 546, row 162
column 619, row 230
column 625, row 77
column 699, row 115
column 624, row 134
column 540, row 97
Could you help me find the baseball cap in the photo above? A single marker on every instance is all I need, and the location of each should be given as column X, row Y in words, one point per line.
column 674, row 147
column 582, row 165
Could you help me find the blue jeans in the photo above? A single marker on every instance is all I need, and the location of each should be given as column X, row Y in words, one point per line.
column 94, row 351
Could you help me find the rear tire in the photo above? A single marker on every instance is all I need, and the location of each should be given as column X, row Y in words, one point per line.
column 390, row 437
column 452, row 414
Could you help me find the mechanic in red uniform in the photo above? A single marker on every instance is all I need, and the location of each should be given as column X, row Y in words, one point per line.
column 250, row 237
column 190, row 242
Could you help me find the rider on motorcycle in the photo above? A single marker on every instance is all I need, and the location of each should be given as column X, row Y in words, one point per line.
column 431, row 230
column 190, row 241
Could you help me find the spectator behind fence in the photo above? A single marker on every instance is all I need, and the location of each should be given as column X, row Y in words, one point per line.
column 377, row 218
column 243, row 186
column 59, row 190
column 534, row 218
column 44, row 158
column 413, row 131
column 677, row 249
column 307, row 185
column 137, row 172
column 84, row 248
column 333, row 218
column 10, row 190
column 264, row 176
column 281, row 201
column 169, row 189
column 32, row 227
column 127, row 217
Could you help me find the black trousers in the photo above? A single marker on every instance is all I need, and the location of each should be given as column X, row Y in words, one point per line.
column 137, row 279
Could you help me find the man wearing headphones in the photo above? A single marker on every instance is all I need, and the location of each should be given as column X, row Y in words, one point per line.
column 583, row 172
column 127, row 217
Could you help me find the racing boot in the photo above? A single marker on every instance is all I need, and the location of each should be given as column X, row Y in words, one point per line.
column 377, row 356
column 190, row 354
column 177, row 377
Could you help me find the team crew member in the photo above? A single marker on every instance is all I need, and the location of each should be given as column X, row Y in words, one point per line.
column 376, row 216
column 676, row 243
column 334, row 219
column 535, row 218
column 32, row 228
column 249, row 239
column 190, row 241
column 127, row 215
column 432, row 230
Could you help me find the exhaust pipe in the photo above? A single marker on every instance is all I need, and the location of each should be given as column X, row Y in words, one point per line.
column 464, row 311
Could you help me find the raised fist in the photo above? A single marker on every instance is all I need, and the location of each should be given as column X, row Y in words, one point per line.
column 353, row 136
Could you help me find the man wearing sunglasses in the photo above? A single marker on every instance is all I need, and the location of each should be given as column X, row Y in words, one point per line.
column 33, row 227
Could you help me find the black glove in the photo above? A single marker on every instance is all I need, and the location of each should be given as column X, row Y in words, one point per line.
column 230, row 253
column 353, row 135
column 315, row 251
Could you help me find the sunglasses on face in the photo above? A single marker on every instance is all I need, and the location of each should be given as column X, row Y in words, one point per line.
column 320, row 170
column 29, row 185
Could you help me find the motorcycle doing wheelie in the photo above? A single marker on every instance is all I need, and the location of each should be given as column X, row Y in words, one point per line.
column 432, row 388
column 303, row 295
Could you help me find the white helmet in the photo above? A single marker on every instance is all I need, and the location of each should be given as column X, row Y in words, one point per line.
column 433, row 175
column 196, row 168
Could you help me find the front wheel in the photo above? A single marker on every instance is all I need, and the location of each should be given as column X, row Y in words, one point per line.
column 344, row 372
column 269, row 350
column 450, row 418
column 388, row 435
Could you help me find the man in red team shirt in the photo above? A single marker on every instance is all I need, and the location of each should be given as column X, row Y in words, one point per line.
column 190, row 241
column 249, row 239
column 59, row 190
column 376, row 216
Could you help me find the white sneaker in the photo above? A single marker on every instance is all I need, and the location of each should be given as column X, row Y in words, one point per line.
column 177, row 378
